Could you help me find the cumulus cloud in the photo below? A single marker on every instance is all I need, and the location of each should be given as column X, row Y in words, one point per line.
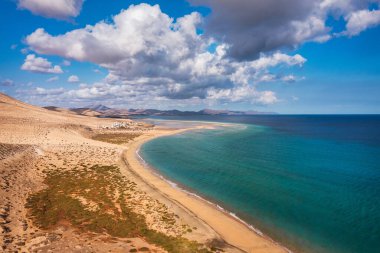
column 43, row 91
column 242, row 94
column 291, row 78
column 73, row 79
column 40, row 65
column 120, row 95
column 140, row 30
column 255, row 26
column 276, row 59
column 252, row 27
column 58, row 9
column 269, row 77
column 149, row 54
column 359, row 21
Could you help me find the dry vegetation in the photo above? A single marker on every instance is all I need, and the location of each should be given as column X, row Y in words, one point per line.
column 99, row 199
column 116, row 138
column 7, row 150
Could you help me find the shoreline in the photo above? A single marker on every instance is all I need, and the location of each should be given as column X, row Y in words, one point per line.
column 227, row 225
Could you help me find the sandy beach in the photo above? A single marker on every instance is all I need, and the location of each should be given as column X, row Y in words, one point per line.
column 74, row 183
column 228, row 228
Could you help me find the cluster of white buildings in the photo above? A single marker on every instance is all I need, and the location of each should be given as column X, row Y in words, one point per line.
column 124, row 124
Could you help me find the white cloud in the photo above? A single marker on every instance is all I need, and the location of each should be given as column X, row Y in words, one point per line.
column 311, row 29
column 42, row 91
column 150, row 55
column 73, row 79
column 289, row 78
column 268, row 77
column 140, row 29
column 267, row 98
column 59, row 9
column 52, row 79
column 244, row 93
column 276, row 59
column 40, row 65
column 361, row 20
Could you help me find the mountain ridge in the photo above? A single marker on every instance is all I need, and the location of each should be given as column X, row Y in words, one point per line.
column 105, row 111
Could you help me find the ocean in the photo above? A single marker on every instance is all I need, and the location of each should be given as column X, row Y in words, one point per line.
column 310, row 182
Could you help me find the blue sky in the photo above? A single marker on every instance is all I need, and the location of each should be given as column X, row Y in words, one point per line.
column 321, row 57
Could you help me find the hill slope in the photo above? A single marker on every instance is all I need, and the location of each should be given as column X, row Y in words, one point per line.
column 65, row 187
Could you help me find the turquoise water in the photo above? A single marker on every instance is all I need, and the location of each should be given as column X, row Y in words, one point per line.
column 312, row 186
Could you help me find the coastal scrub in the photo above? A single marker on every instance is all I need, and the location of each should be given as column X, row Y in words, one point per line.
column 85, row 197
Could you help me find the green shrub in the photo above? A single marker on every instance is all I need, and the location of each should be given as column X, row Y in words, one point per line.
column 59, row 201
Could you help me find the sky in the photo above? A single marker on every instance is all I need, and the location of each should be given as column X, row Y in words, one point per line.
column 285, row 56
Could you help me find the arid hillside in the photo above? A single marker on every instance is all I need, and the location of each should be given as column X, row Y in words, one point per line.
column 65, row 187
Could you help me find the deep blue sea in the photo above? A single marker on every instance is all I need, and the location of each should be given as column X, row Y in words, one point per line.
column 312, row 183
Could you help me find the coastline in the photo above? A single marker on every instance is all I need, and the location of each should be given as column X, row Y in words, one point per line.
column 229, row 227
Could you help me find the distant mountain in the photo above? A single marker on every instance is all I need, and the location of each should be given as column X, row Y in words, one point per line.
column 105, row 111
column 98, row 108
column 228, row 112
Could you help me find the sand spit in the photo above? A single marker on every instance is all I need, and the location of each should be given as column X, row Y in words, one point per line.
column 72, row 183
